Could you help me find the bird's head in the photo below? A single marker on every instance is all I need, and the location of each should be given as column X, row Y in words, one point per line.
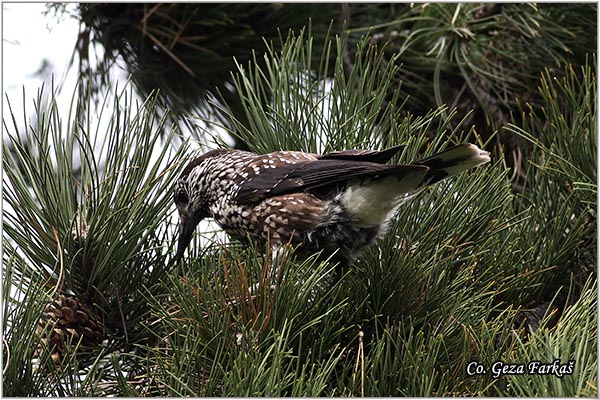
column 192, row 209
column 192, row 198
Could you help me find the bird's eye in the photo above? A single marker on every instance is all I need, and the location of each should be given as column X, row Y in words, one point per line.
column 181, row 197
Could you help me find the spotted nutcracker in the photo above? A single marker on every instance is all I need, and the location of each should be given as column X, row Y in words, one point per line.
column 338, row 202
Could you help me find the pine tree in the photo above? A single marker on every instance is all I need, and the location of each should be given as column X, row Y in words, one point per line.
column 469, row 271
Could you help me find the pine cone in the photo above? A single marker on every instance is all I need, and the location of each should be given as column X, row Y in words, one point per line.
column 69, row 320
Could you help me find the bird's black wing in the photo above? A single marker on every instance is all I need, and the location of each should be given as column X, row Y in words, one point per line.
column 374, row 156
column 310, row 175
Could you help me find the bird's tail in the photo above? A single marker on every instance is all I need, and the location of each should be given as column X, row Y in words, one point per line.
column 372, row 202
column 453, row 161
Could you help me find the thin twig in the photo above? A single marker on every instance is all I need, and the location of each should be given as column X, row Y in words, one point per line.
column 121, row 313
column 362, row 363
column 184, row 40
column 182, row 28
column 7, row 359
column 360, row 359
column 147, row 15
column 171, row 54
column 61, row 275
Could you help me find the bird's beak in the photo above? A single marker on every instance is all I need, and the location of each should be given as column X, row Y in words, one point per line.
column 186, row 231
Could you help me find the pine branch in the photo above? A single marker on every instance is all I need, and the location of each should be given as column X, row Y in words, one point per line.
column 447, row 285
column 88, row 222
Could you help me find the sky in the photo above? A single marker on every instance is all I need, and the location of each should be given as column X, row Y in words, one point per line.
column 34, row 47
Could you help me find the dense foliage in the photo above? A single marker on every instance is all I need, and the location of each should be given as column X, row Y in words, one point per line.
column 497, row 265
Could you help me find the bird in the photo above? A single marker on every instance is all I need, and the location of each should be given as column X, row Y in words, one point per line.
column 334, row 204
